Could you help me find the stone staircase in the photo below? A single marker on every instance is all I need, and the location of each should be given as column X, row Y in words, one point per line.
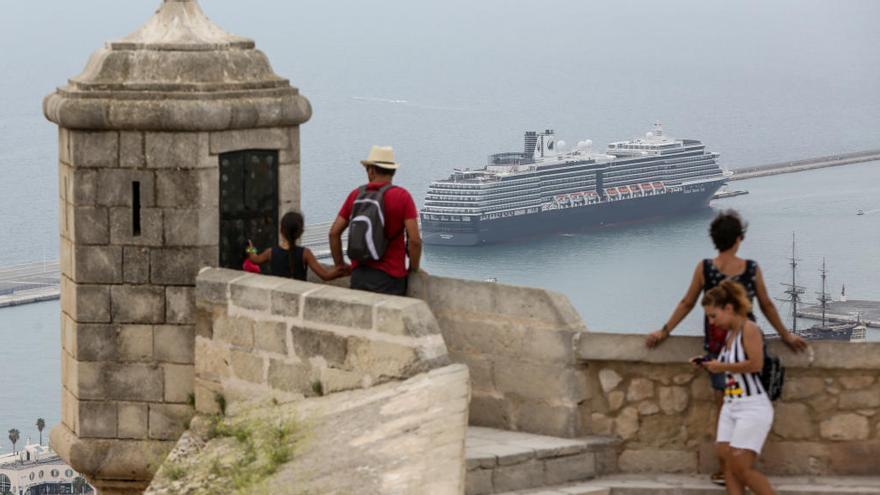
column 501, row 461
column 629, row 484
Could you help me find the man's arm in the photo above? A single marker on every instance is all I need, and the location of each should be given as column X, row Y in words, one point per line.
column 414, row 238
column 336, row 230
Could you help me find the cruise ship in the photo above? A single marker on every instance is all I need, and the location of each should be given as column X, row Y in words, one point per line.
column 546, row 188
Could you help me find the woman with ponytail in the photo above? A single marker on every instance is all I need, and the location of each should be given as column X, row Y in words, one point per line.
column 289, row 260
column 747, row 413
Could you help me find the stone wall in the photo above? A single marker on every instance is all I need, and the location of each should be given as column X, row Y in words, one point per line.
column 519, row 345
column 826, row 421
column 266, row 335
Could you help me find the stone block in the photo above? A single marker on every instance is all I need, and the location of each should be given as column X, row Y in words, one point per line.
column 291, row 154
column 557, row 420
column 855, row 458
column 122, row 227
column 178, row 189
column 175, row 266
column 599, row 424
column 248, row 367
column 209, row 187
column 135, row 343
column 97, row 264
column 802, row 387
column 133, row 381
column 487, row 336
column 627, row 423
column 69, row 410
column 532, row 381
column 178, row 382
column 658, row 461
column 701, row 421
column 275, row 138
column 212, row 360
column 271, row 336
column 566, row 469
column 846, row 426
column 212, row 286
column 289, row 184
column 132, row 420
column 254, row 291
column 79, row 186
column 518, row 476
column 648, row 408
column 238, row 332
column 206, row 393
column 180, row 305
column 308, row 343
column 138, row 304
column 93, row 149
column 797, row 458
column 97, row 419
column 639, row 389
column 387, row 360
column 662, row 431
column 860, row 399
column 480, row 369
column 90, row 342
column 85, row 303
column 174, row 150
column 208, row 231
column 490, row 411
column 556, row 346
column 342, row 307
column 174, row 343
column 609, row 379
column 333, row 380
column 115, row 187
column 182, row 228
column 287, row 296
column 135, row 265
column 478, row 482
column 131, row 149
column 673, row 399
column 91, row 225
column 701, row 388
column 289, row 377
column 406, row 317
column 169, row 421
column 856, row 382
column 792, row 421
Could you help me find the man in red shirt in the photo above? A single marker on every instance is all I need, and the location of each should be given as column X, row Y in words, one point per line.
column 389, row 274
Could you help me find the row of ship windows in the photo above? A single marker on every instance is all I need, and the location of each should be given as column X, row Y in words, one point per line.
column 706, row 169
column 663, row 166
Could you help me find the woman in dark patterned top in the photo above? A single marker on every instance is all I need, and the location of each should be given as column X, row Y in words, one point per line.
column 727, row 232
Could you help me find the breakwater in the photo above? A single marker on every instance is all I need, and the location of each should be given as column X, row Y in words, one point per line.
column 805, row 164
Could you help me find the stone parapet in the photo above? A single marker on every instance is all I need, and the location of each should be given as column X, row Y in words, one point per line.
column 826, row 422
column 286, row 338
column 519, row 344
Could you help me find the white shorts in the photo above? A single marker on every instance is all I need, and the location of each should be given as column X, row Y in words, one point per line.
column 744, row 423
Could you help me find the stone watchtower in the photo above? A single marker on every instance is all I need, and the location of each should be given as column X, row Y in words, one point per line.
column 176, row 145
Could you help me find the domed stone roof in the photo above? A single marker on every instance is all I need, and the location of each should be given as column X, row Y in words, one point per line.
column 178, row 72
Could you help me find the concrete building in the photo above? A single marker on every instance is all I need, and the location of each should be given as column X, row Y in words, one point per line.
column 176, row 144
column 34, row 470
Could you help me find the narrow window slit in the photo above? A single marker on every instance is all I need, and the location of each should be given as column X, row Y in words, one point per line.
column 136, row 208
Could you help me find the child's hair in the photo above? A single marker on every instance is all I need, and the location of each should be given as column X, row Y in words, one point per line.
column 728, row 292
column 292, row 225
column 727, row 227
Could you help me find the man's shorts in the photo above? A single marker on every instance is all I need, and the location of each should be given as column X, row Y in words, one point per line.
column 375, row 280
column 744, row 423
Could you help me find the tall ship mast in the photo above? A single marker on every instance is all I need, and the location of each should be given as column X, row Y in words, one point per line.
column 546, row 188
column 793, row 290
column 851, row 332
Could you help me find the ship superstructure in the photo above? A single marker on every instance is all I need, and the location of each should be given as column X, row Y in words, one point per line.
column 546, row 188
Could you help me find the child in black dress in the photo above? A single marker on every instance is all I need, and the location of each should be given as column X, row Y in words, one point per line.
column 289, row 260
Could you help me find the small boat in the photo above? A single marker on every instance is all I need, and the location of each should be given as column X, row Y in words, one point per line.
column 860, row 212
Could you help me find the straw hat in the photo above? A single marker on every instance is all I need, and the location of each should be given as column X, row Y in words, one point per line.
column 382, row 157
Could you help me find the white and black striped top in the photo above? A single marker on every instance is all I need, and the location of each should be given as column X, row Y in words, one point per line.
column 739, row 385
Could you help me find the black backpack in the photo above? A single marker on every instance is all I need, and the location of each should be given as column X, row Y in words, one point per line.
column 366, row 232
column 773, row 375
